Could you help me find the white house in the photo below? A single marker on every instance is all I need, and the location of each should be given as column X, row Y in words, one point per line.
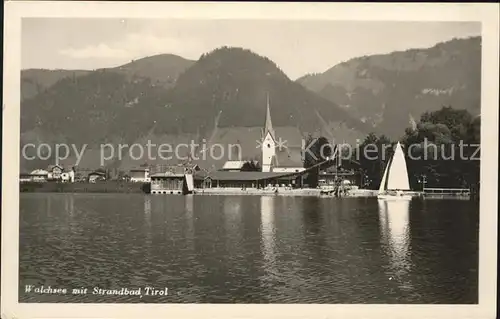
column 54, row 172
column 68, row 177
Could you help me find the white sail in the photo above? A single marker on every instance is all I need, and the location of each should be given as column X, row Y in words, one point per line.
column 384, row 178
column 398, row 173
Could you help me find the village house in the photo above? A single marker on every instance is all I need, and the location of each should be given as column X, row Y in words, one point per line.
column 96, row 176
column 54, row 172
column 39, row 175
column 68, row 177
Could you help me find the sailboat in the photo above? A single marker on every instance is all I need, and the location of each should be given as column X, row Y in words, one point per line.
column 395, row 179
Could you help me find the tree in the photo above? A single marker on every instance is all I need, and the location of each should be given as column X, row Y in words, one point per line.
column 441, row 149
column 317, row 151
column 373, row 155
column 251, row 166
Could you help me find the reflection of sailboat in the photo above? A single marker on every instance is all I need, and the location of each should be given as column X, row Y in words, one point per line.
column 268, row 230
column 395, row 178
column 395, row 231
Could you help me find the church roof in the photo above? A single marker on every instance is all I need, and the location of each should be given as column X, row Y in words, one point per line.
column 269, row 124
column 289, row 135
column 233, row 165
column 289, row 157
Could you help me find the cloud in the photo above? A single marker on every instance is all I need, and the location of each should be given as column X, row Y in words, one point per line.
column 100, row 51
column 135, row 45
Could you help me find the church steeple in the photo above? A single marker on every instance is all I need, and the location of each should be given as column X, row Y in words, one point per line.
column 269, row 124
column 268, row 143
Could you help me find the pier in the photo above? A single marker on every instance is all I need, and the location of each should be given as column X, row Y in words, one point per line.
column 446, row 192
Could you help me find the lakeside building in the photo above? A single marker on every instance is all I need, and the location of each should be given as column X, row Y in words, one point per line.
column 140, row 175
column 332, row 176
column 174, row 180
column 228, row 179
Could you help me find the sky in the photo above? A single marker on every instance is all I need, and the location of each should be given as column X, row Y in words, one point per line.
column 297, row 47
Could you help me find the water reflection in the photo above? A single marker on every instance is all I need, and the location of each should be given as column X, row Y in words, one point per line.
column 232, row 219
column 268, row 232
column 249, row 249
column 189, row 212
column 395, row 233
column 49, row 205
column 69, row 204
column 147, row 219
column 69, row 212
column 313, row 223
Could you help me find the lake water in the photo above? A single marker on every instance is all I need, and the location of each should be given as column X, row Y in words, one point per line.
column 249, row 249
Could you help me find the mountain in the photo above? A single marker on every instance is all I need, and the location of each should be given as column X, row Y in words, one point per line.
column 387, row 91
column 163, row 69
column 226, row 88
column 34, row 81
column 232, row 85
column 95, row 108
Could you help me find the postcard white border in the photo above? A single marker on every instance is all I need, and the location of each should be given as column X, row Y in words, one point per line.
column 485, row 13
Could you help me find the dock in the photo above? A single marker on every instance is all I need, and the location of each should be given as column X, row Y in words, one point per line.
column 446, row 192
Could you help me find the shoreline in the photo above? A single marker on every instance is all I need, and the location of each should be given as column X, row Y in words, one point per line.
column 117, row 187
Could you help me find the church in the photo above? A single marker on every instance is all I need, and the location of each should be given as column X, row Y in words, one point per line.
column 280, row 149
column 280, row 161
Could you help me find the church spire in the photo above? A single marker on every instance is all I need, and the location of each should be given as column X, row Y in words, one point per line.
column 269, row 124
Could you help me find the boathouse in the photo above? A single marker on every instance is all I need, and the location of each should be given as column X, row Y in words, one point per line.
column 175, row 180
column 333, row 175
column 228, row 179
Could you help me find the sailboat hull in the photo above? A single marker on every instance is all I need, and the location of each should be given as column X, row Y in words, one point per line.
column 395, row 197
